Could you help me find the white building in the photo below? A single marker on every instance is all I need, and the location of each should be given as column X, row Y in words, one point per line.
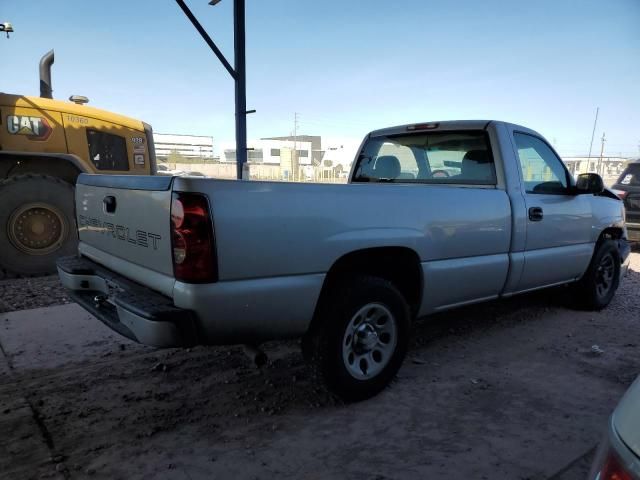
column 340, row 151
column 270, row 151
column 190, row 146
column 606, row 167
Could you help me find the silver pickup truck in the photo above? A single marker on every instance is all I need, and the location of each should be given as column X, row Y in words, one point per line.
column 436, row 215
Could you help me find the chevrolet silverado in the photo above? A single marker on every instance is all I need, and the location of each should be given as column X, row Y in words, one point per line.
column 436, row 215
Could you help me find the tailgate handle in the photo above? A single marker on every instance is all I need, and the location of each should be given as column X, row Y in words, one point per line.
column 109, row 204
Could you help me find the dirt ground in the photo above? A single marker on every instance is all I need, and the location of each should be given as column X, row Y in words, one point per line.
column 505, row 390
column 25, row 293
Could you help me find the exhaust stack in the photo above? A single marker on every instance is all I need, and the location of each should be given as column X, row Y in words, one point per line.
column 45, row 75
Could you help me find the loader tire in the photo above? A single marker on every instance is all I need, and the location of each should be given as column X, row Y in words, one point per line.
column 36, row 224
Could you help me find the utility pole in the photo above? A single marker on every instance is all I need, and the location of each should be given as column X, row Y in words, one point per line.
column 237, row 72
column 603, row 139
column 294, row 157
column 241, row 89
column 593, row 133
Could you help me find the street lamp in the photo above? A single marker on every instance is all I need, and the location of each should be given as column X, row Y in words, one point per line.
column 8, row 28
column 237, row 72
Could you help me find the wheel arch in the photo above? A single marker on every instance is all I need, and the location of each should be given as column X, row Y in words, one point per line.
column 399, row 265
column 610, row 233
column 615, row 234
column 67, row 167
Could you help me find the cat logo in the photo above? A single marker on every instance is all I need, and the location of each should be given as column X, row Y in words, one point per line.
column 35, row 128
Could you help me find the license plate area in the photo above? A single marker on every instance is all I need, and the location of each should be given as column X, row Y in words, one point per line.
column 108, row 297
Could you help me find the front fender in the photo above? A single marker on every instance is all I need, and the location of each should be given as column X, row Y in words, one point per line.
column 607, row 213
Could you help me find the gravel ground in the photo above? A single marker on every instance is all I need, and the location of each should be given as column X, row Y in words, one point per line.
column 26, row 293
column 504, row 390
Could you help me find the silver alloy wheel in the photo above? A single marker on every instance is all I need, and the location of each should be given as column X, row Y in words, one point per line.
column 369, row 341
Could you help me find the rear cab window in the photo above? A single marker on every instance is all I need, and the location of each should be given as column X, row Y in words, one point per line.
column 443, row 157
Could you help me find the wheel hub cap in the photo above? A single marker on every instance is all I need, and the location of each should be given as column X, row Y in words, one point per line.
column 37, row 229
column 366, row 338
column 369, row 341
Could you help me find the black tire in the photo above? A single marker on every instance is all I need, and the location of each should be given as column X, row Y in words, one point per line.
column 599, row 284
column 52, row 235
column 323, row 346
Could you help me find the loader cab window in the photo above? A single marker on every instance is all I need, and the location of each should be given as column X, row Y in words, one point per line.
column 107, row 151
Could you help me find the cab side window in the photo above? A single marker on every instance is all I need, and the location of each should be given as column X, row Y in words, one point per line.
column 107, row 151
column 542, row 170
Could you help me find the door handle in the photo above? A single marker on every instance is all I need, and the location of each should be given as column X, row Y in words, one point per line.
column 535, row 214
column 109, row 204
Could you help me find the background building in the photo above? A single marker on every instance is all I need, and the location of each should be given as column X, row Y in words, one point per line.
column 271, row 151
column 279, row 154
column 314, row 140
column 609, row 168
column 188, row 146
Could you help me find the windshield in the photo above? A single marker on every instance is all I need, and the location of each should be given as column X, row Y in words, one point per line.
column 433, row 157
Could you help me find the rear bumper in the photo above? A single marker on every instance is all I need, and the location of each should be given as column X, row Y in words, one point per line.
column 128, row 308
column 220, row 313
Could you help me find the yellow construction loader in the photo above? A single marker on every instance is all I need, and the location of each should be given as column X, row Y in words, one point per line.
column 44, row 145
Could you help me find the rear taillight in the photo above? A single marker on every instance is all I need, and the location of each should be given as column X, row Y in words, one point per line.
column 608, row 466
column 613, row 469
column 620, row 193
column 192, row 239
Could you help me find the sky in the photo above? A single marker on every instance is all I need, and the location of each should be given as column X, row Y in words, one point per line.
column 345, row 66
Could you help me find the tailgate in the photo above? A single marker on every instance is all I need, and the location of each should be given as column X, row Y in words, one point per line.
column 126, row 217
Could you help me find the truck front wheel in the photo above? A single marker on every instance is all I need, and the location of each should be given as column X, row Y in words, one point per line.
column 599, row 284
column 360, row 339
column 37, row 220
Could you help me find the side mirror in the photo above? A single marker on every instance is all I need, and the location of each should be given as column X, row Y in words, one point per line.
column 589, row 183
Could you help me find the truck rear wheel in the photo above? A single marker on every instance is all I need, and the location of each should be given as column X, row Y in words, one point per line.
column 360, row 339
column 37, row 220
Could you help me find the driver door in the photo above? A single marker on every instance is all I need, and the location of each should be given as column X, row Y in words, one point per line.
column 558, row 223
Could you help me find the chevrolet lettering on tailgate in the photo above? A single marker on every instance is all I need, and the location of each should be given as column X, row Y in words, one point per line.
column 120, row 232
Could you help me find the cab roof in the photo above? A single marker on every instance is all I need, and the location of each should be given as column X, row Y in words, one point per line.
column 442, row 126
